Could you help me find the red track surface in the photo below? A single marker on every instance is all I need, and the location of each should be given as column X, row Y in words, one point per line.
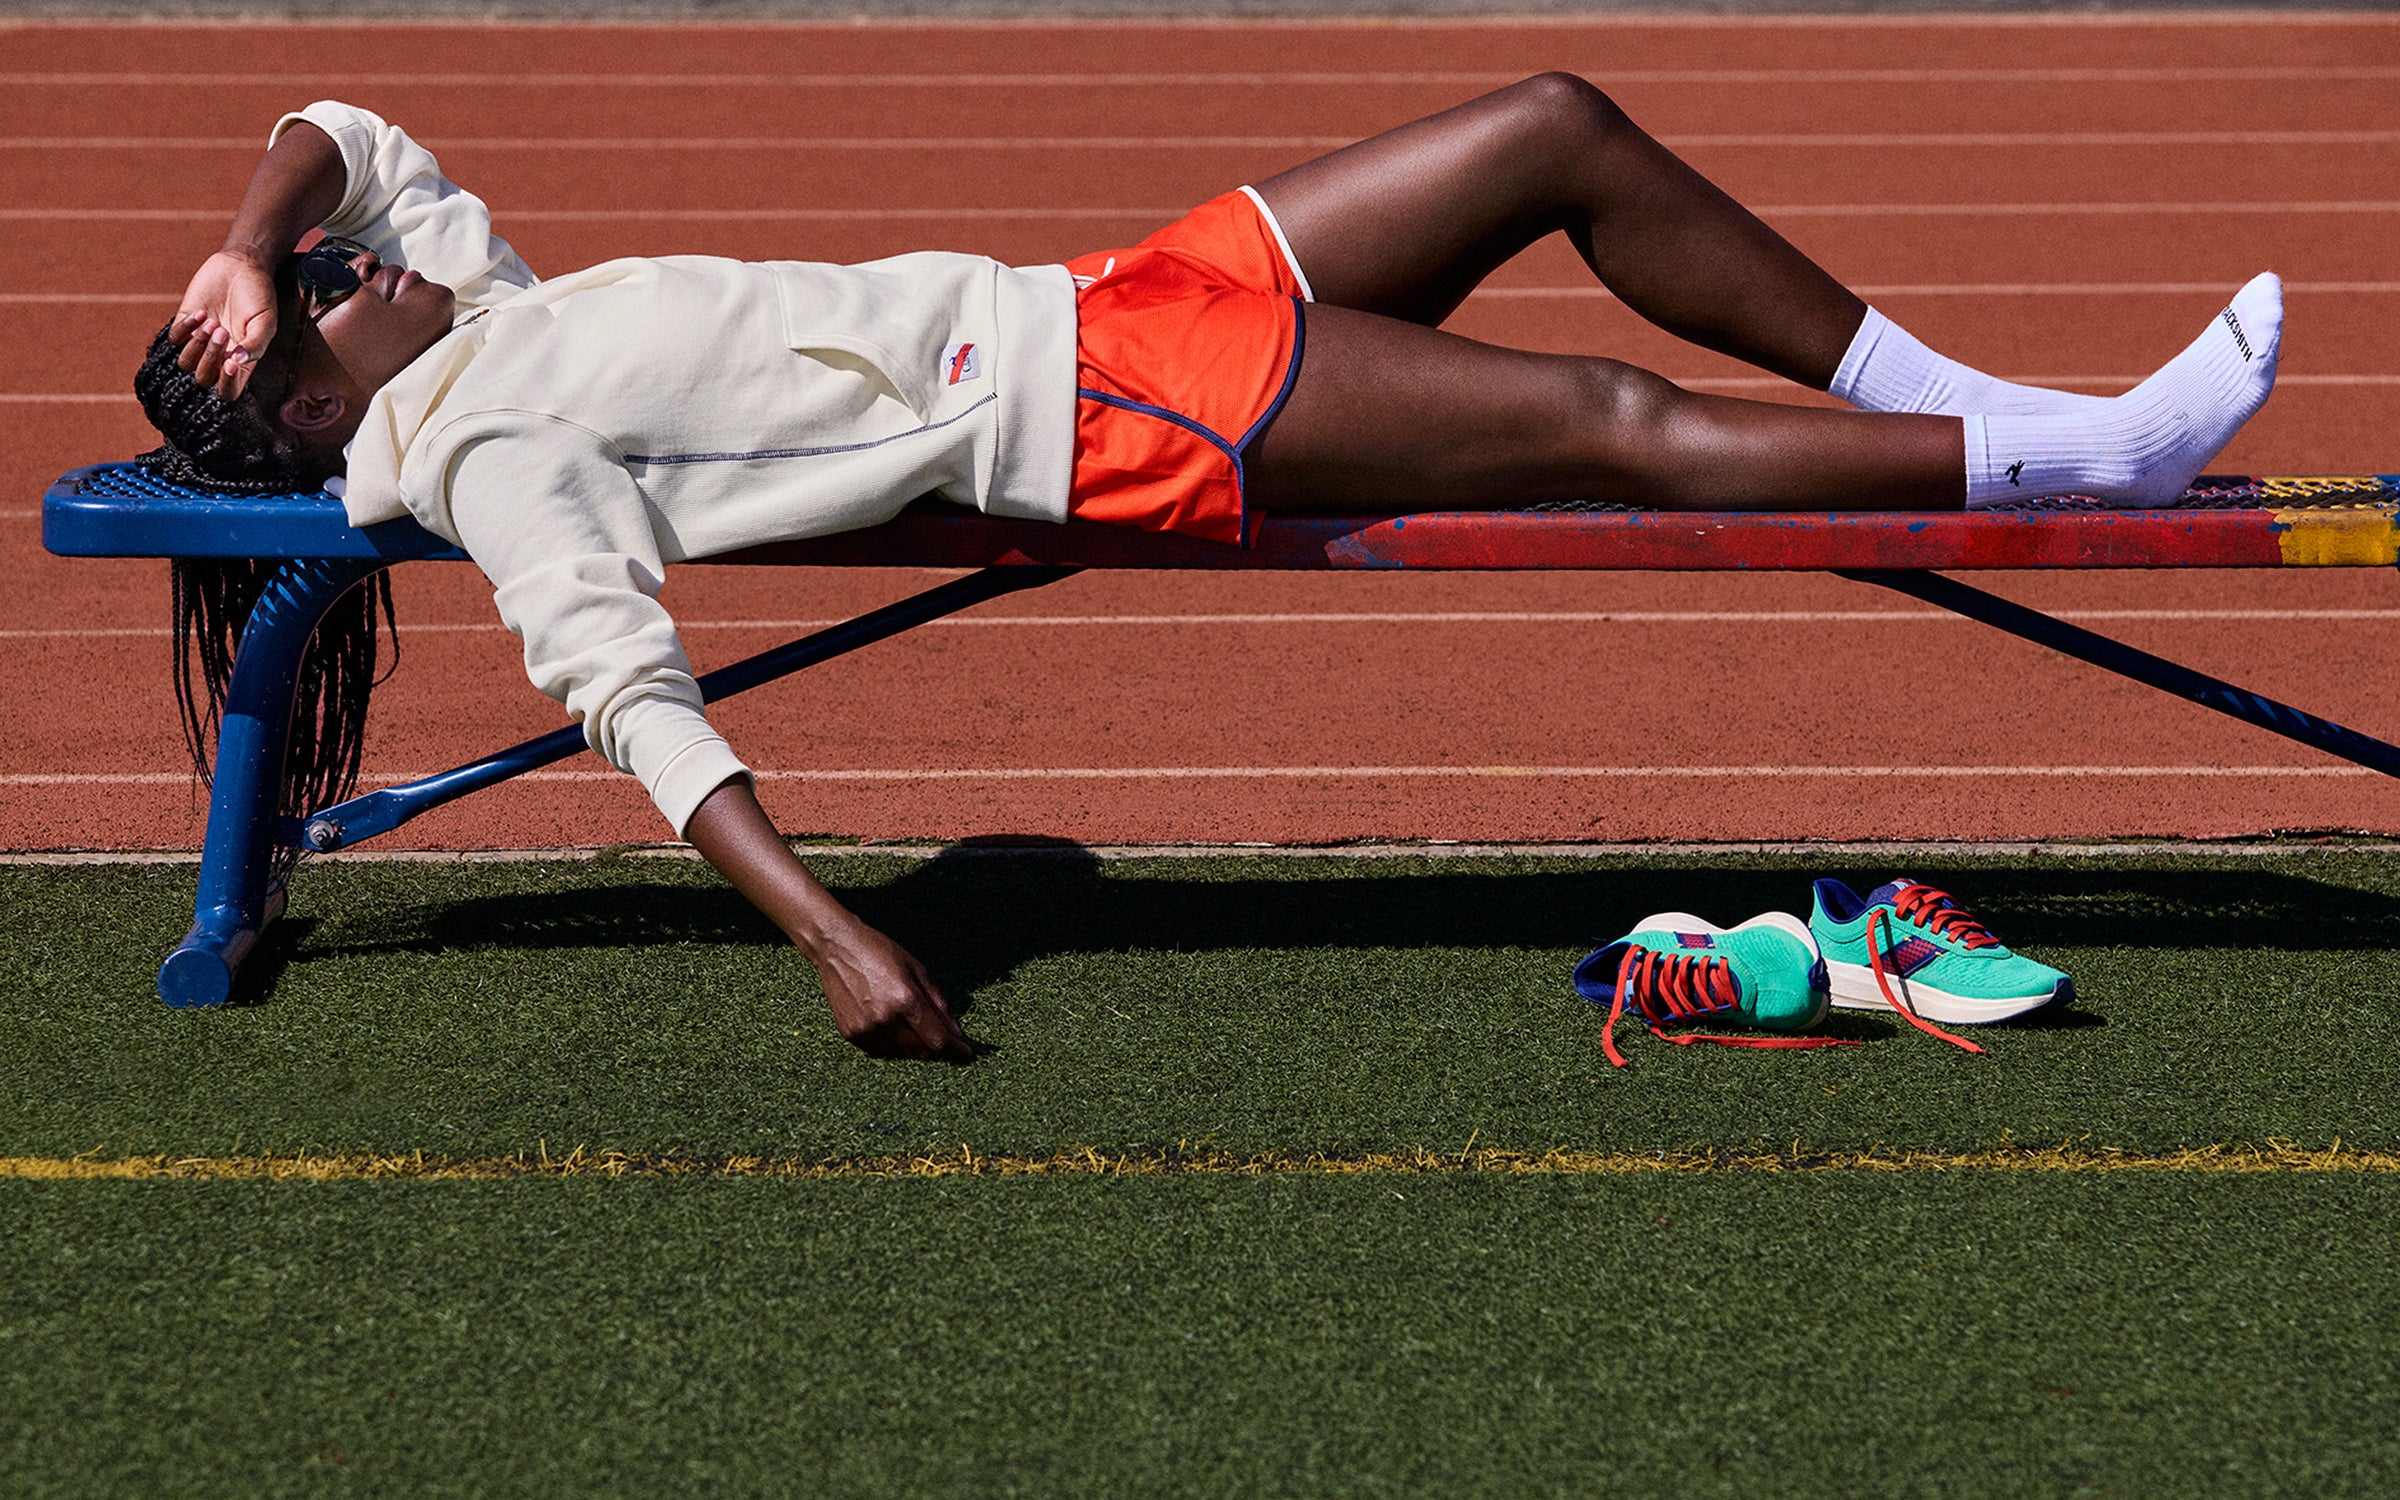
column 2001, row 187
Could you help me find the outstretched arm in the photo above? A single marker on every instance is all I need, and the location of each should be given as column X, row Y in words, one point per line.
column 227, row 317
column 552, row 516
column 882, row 998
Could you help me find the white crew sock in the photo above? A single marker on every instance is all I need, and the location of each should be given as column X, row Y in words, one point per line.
column 1887, row 369
column 2144, row 447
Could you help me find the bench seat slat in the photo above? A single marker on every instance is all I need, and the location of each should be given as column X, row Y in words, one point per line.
column 117, row 510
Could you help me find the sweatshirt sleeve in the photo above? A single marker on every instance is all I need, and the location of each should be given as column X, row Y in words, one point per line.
column 398, row 203
column 560, row 528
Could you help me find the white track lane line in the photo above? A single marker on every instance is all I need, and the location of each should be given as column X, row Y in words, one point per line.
column 2062, row 382
column 666, row 215
column 952, row 144
column 2021, row 210
column 1305, row 773
column 1864, row 289
column 1605, row 76
column 631, row 212
column 1689, row 382
column 851, row 26
column 1366, row 617
column 1592, row 292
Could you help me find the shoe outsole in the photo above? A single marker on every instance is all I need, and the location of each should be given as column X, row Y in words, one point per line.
column 1854, row 988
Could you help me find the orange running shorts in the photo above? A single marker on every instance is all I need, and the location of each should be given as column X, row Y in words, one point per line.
column 1186, row 346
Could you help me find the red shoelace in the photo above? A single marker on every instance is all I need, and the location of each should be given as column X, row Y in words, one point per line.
column 1935, row 912
column 1909, row 903
column 1677, row 989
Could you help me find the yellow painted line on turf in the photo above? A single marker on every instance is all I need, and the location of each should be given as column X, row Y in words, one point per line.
column 965, row 1161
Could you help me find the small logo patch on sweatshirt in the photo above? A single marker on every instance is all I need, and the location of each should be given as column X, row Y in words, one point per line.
column 961, row 362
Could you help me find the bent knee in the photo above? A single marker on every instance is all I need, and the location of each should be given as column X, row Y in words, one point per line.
column 1633, row 431
column 1565, row 104
column 1623, row 398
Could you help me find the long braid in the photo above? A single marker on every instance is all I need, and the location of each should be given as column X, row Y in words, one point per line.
column 233, row 447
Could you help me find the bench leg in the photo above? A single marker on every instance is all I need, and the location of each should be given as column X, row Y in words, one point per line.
column 239, row 895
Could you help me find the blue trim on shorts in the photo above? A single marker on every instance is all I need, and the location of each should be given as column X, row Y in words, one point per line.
column 1232, row 450
column 1291, row 377
column 1127, row 403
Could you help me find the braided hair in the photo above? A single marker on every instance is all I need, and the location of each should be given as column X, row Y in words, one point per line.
column 237, row 448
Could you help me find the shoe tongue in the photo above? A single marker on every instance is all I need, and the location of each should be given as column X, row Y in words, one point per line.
column 1889, row 891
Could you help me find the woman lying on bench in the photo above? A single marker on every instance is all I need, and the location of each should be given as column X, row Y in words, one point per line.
column 1278, row 348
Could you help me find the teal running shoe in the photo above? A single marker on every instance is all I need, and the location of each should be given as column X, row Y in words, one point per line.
column 1675, row 970
column 1908, row 947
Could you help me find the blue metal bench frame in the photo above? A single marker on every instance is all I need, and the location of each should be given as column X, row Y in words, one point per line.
column 118, row 510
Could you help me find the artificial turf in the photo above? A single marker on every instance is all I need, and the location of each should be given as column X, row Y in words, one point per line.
column 1824, row 1333
column 1834, row 1335
column 1245, row 1004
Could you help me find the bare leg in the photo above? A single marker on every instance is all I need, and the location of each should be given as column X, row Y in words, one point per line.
column 1390, row 416
column 1406, row 223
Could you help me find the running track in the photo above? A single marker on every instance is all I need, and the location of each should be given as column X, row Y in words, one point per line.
column 2063, row 199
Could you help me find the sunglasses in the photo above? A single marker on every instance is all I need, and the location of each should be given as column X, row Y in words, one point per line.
column 325, row 275
column 328, row 273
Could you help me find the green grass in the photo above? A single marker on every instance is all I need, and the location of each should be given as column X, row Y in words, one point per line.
column 1206, row 1336
column 1764, row 1334
column 1251, row 1004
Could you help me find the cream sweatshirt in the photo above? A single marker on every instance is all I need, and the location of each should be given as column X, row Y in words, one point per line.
column 576, row 435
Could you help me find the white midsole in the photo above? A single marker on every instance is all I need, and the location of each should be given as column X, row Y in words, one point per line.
column 1854, row 988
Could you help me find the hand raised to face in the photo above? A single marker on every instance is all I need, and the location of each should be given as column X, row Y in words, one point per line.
column 225, row 322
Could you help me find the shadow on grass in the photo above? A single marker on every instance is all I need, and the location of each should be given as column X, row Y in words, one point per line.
column 976, row 914
column 283, row 941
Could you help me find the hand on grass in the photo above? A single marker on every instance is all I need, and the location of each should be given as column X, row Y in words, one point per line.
column 884, row 1002
column 225, row 322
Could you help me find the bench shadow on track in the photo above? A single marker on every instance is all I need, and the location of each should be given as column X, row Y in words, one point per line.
column 975, row 915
